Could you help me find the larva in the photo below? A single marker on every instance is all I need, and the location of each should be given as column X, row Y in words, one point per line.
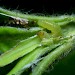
column 55, row 29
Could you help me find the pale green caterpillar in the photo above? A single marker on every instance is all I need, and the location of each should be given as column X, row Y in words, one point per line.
column 55, row 29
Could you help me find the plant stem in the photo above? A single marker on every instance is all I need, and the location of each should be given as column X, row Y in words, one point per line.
column 51, row 57
column 20, row 50
column 31, row 58
column 56, row 19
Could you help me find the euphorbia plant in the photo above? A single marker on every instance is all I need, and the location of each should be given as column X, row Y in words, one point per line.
column 35, row 39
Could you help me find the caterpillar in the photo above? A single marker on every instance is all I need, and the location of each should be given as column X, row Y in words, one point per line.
column 55, row 29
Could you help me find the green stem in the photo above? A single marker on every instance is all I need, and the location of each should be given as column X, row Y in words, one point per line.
column 36, row 18
column 28, row 59
column 20, row 50
column 31, row 58
column 51, row 57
